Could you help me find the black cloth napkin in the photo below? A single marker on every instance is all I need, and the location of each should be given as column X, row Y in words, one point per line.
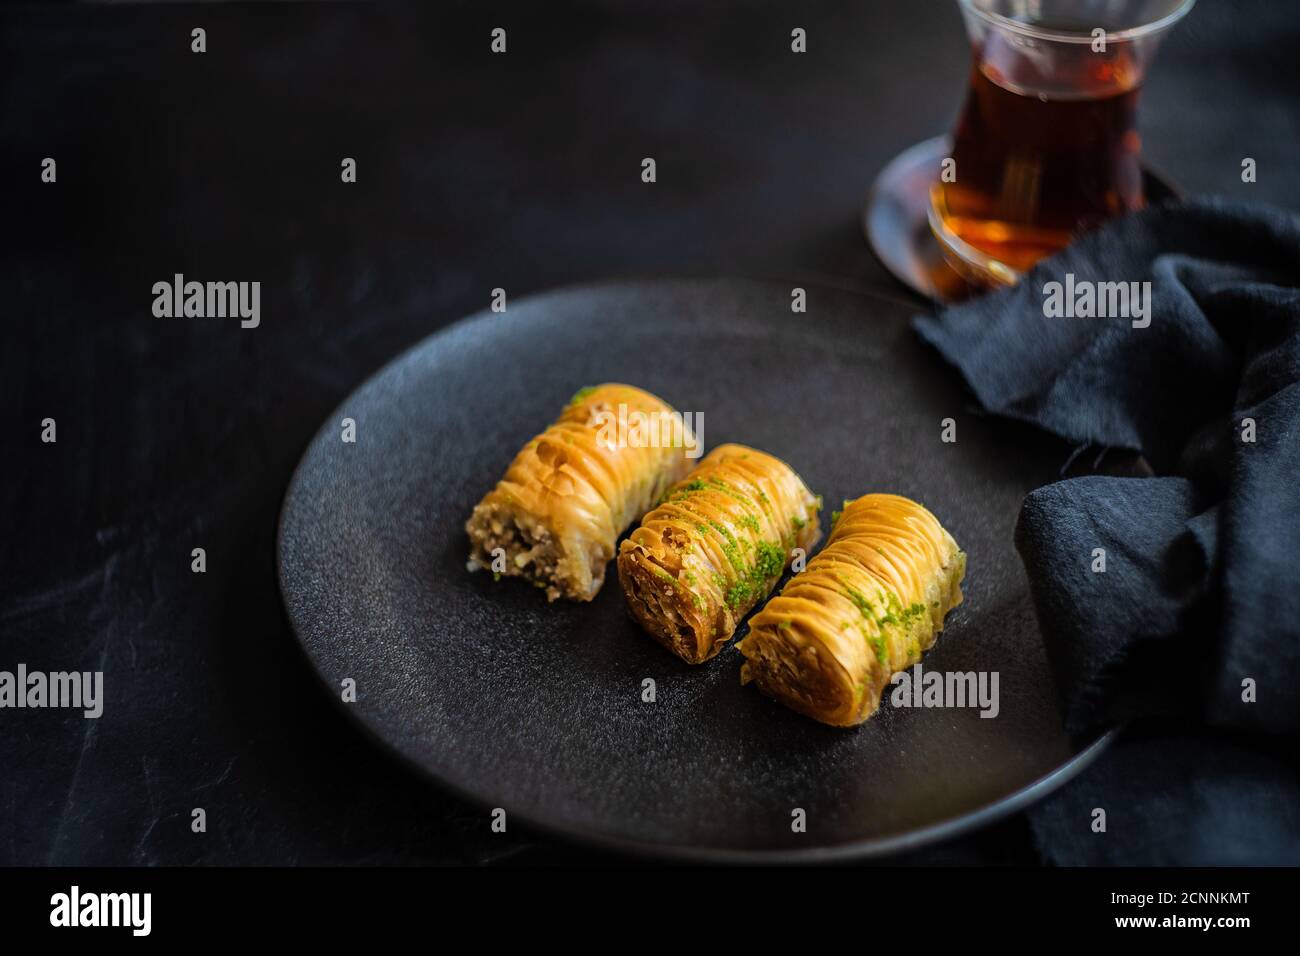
column 1190, row 637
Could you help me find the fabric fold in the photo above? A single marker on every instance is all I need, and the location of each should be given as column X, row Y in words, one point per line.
column 1194, row 623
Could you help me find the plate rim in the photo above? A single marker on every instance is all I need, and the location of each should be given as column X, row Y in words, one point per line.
column 869, row 848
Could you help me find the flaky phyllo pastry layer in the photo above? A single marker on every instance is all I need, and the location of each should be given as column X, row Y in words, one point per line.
column 865, row 608
column 571, row 491
column 714, row 547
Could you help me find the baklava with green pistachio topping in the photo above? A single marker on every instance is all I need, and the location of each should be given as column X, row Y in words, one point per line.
column 714, row 547
column 868, row 606
column 556, row 516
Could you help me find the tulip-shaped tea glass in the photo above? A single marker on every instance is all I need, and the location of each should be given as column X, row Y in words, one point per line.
column 1047, row 146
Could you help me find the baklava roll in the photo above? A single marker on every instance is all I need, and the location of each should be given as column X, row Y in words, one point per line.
column 568, row 495
column 865, row 608
column 714, row 547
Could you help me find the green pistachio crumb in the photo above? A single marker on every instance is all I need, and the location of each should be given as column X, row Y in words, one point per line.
column 878, row 645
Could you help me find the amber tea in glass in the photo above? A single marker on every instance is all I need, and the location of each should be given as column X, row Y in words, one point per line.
column 1047, row 145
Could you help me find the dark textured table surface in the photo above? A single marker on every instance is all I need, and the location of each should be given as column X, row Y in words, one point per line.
column 475, row 172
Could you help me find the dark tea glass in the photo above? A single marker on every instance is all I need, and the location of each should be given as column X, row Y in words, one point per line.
column 1047, row 145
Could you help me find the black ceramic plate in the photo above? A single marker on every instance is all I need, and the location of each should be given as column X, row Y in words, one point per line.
column 537, row 708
